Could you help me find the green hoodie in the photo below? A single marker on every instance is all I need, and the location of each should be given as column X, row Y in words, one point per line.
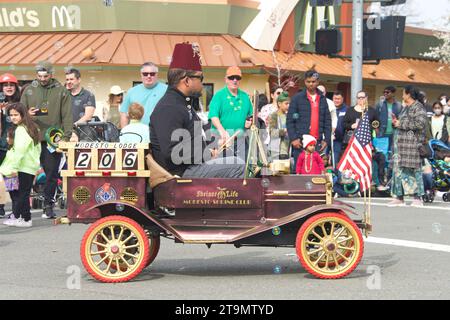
column 59, row 102
column 23, row 156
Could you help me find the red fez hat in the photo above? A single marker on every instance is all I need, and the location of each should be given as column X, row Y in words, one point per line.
column 186, row 56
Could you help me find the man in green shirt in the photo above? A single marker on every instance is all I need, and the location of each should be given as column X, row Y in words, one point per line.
column 230, row 107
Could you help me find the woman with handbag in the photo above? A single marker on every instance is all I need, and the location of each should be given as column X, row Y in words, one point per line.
column 408, row 140
column 21, row 163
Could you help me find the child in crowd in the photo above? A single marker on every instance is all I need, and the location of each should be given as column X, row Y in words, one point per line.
column 21, row 161
column 279, row 140
column 326, row 162
column 309, row 161
column 135, row 131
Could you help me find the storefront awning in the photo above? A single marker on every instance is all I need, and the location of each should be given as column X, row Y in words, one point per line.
column 120, row 48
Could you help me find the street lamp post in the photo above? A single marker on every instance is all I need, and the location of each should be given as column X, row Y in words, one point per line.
column 357, row 48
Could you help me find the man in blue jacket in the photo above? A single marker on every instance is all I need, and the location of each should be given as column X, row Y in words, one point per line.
column 308, row 114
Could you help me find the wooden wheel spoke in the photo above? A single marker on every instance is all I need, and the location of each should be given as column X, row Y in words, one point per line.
column 122, row 229
column 343, row 240
column 126, row 262
column 318, row 259
column 322, row 225
column 346, row 248
column 104, row 237
column 314, row 251
column 117, row 264
column 98, row 252
column 332, row 228
column 127, row 239
column 111, row 229
column 337, row 266
column 340, row 232
column 132, row 246
column 130, row 255
column 343, row 256
column 313, row 243
column 315, row 233
column 99, row 244
column 108, row 266
column 102, row 260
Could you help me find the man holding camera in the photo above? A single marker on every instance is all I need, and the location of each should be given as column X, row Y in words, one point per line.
column 50, row 105
column 230, row 109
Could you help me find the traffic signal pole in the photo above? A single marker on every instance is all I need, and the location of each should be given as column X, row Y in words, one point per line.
column 357, row 48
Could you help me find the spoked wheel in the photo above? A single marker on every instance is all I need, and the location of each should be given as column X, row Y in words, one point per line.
column 154, row 249
column 115, row 249
column 446, row 197
column 329, row 245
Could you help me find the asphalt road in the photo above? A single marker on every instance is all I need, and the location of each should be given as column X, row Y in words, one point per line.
column 43, row 262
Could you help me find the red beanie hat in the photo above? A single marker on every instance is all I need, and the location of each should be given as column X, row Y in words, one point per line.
column 186, row 56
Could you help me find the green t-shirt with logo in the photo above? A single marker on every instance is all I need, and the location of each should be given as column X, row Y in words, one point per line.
column 231, row 110
column 389, row 120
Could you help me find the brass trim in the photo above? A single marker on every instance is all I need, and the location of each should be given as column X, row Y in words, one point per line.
column 184, row 181
column 85, row 197
column 129, row 194
column 297, row 194
column 318, row 180
column 294, row 200
column 204, row 241
column 329, row 194
column 280, row 193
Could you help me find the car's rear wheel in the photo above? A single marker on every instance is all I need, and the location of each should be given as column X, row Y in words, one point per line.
column 329, row 245
column 154, row 249
column 115, row 249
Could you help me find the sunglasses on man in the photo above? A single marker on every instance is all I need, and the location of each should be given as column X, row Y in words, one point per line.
column 146, row 74
column 197, row 77
column 232, row 78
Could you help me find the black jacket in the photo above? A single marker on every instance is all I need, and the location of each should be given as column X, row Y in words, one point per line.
column 175, row 150
column 298, row 121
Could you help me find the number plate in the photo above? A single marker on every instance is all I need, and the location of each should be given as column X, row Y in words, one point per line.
column 83, row 159
column 106, row 159
column 130, row 159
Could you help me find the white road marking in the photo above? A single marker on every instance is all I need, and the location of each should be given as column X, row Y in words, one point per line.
column 426, row 207
column 409, row 244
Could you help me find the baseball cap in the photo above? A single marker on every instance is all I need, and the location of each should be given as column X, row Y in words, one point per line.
column 234, row 71
column 116, row 90
column 44, row 66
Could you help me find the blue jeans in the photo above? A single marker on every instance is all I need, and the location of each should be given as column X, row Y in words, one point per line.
column 337, row 147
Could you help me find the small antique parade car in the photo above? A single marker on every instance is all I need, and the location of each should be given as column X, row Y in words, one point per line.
column 131, row 202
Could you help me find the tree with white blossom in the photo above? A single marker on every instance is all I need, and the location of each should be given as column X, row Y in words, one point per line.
column 441, row 52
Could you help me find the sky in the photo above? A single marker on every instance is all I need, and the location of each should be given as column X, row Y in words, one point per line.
column 428, row 14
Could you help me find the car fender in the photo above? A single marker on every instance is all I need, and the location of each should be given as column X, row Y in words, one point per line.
column 126, row 209
column 296, row 216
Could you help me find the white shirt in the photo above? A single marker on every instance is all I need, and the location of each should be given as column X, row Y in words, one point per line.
column 332, row 109
column 437, row 125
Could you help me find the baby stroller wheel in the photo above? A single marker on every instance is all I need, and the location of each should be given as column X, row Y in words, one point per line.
column 445, row 197
column 35, row 203
column 62, row 203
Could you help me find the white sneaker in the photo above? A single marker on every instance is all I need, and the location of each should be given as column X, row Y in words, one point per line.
column 10, row 220
column 20, row 223
column 417, row 203
column 396, row 203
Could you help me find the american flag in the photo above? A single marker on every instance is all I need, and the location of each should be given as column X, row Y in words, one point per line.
column 358, row 156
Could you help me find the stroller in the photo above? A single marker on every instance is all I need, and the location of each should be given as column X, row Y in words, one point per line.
column 437, row 151
column 37, row 193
